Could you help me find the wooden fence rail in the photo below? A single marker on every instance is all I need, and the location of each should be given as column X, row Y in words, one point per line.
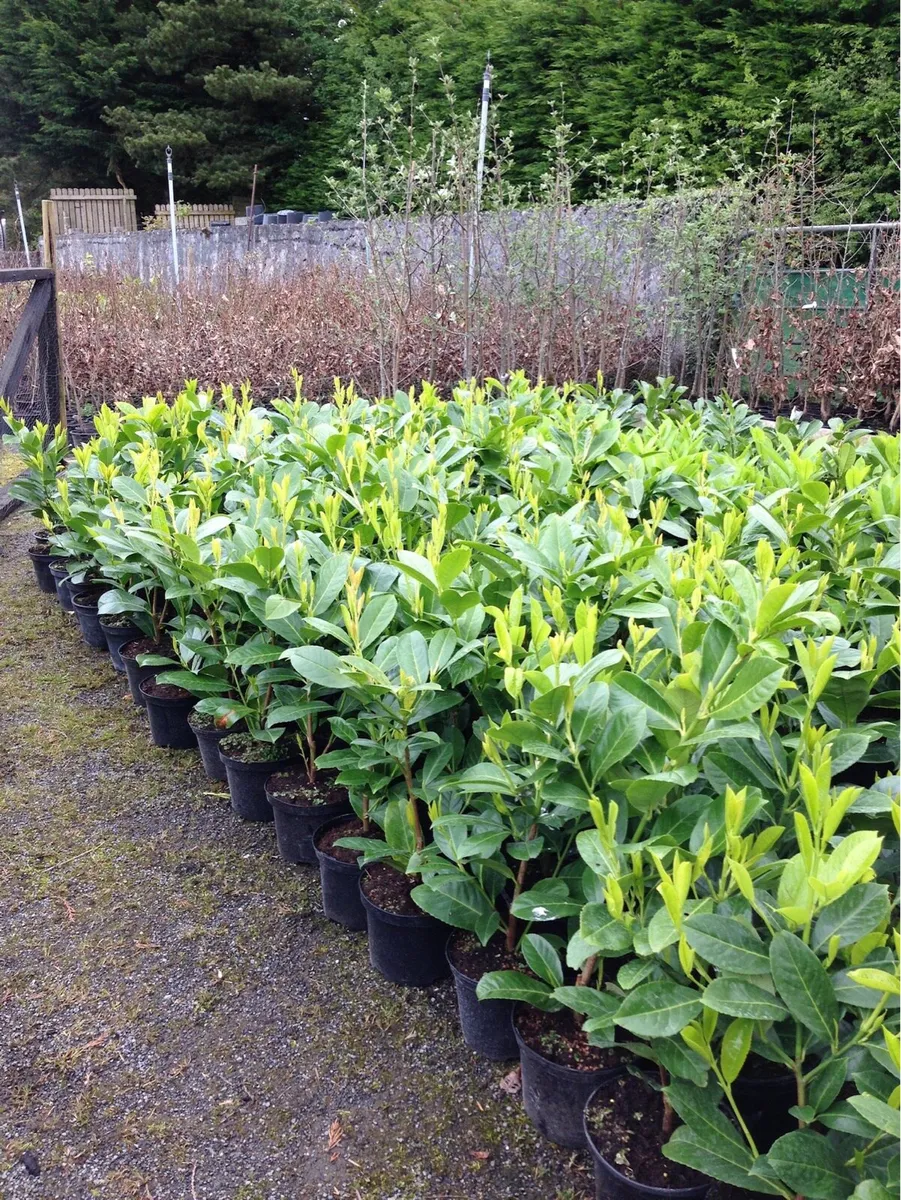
column 44, row 399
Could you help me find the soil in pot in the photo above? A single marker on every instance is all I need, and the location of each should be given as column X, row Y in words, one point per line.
column 248, row 764
column 209, row 735
column 623, row 1128
column 560, row 1070
column 487, row 1025
column 118, row 631
column 300, row 807
column 85, row 605
column 130, row 653
column 406, row 945
column 40, row 560
column 168, row 708
column 339, row 872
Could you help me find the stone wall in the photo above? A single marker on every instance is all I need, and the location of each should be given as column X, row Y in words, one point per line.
column 275, row 251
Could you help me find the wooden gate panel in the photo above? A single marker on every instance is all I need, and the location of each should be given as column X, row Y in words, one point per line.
column 94, row 210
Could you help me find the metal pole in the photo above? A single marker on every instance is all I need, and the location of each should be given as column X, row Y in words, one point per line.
column 483, row 130
column 172, row 216
column 253, row 200
column 480, row 165
column 22, row 223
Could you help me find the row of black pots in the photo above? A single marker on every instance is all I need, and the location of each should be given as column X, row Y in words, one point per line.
column 411, row 950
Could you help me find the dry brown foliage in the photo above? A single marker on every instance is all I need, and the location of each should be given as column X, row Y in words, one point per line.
column 123, row 339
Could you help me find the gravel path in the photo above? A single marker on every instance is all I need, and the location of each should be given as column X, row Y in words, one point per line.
column 178, row 1021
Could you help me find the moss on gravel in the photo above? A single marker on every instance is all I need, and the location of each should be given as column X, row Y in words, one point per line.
column 10, row 464
column 179, row 1018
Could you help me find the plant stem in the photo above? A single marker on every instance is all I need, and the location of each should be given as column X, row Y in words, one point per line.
column 411, row 801
column 311, row 750
column 512, row 922
column 669, row 1116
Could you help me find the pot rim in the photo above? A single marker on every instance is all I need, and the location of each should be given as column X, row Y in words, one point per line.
column 164, row 701
column 602, row 1073
column 268, row 767
column 128, row 658
column 461, row 975
column 77, row 600
column 320, row 854
column 420, row 920
column 304, row 810
column 125, row 628
column 640, row 1189
column 217, row 734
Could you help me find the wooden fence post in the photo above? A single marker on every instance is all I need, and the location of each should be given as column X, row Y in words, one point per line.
column 47, row 248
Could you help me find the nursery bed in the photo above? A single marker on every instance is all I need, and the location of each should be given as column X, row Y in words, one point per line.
column 178, row 1018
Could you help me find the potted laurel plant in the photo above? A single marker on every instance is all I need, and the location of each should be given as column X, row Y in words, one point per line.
column 399, row 696
column 42, row 454
column 565, row 1056
column 807, row 995
column 523, row 807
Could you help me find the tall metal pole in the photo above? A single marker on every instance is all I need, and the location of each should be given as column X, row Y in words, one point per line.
column 22, row 223
column 172, row 216
column 483, row 130
column 253, row 201
column 480, row 166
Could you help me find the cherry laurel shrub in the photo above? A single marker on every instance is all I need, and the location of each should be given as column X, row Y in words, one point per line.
column 612, row 676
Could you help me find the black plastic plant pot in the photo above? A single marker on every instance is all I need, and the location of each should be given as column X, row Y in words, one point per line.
column 611, row 1184
column 295, row 824
column 118, row 636
column 208, row 744
column 60, row 569
column 247, row 785
column 40, row 561
column 764, row 1105
column 555, row 1096
column 84, row 605
column 340, row 883
column 487, row 1025
column 136, row 674
column 168, row 715
column 405, row 949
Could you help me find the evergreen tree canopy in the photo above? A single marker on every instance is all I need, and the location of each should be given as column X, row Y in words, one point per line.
column 95, row 89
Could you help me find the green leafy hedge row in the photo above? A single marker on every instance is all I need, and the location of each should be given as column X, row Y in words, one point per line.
column 609, row 659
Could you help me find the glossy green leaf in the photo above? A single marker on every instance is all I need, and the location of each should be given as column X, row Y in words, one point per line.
column 378, row 613
column 727, row 943
column 810, row 1165
column 658, row 1009
column 739, row 998
column 735, row 1047
column 515, row 985
column 859, row 911
column 756, row 682
column 619, row 737
column 542, row 958
column 318, row 665
column 802, row 982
